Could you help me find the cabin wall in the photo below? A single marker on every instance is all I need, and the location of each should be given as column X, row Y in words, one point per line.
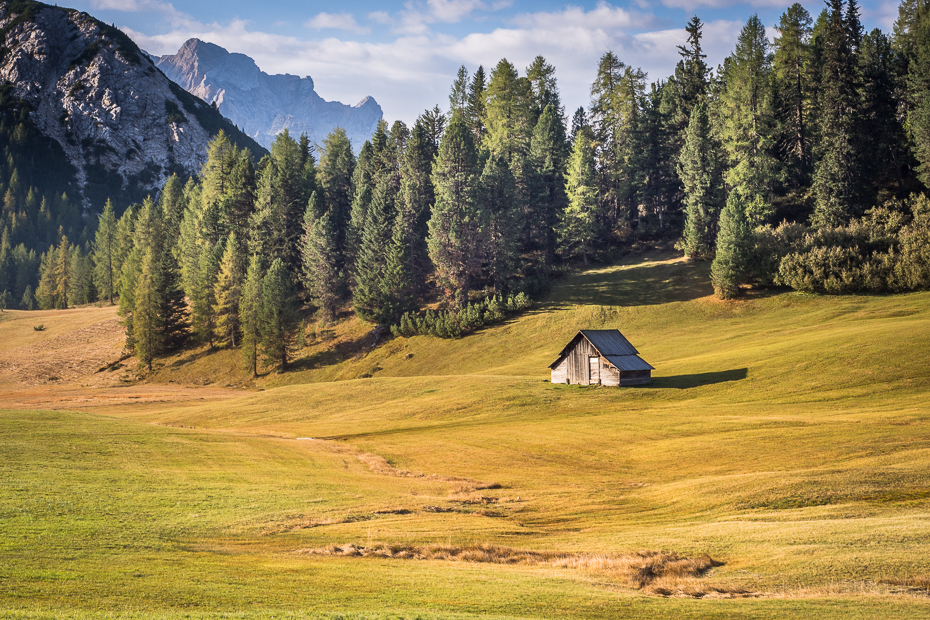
column 636, row 377
column 560, row 372
column 609, row 375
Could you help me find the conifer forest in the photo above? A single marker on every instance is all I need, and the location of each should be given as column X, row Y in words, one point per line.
column 801, row 161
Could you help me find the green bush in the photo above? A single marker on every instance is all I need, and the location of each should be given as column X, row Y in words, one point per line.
column 455, row 324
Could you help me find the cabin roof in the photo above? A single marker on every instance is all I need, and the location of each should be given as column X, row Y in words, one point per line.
column 612, row 346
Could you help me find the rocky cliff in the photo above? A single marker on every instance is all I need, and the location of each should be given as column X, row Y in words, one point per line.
column 119, row 120
column 263, row 105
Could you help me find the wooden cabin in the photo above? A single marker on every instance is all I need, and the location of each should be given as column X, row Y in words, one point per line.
column 600, row 357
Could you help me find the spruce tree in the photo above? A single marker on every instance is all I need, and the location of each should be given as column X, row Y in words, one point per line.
column 837, row 170
column 454, row 222
column 414, row 203
column 250, row 312
column 547, row 159
column 124, row 233
column 790, row 64
column 172, row 203
column 918, row 91
column 173, row 314
column 579, row 228
column 334, row 175
column 319, row 254
column 734, row 243
column 105, row 253
column 397, row 290
column 474, row 110
column 700, row 172
column 367, row 294
column 501, row 225
column 278, row 315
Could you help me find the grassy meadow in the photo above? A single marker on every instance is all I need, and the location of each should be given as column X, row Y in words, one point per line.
column 780, row 461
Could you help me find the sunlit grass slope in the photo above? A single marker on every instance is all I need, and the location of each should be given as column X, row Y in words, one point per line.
column 786, row 436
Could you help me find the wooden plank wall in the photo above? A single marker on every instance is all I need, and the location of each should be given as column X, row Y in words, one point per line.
column 577, row 359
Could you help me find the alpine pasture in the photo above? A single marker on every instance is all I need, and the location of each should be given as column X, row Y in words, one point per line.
column 777, row 466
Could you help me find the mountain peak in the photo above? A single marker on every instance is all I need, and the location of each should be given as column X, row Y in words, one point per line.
column 263, row 105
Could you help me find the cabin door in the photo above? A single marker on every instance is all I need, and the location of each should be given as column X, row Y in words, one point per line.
column 594, row 370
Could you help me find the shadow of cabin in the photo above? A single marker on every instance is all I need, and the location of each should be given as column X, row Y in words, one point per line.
column 600, row 357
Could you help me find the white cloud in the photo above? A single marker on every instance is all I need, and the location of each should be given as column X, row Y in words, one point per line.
column 719, row 4
column 340, row 21
column 413, row 72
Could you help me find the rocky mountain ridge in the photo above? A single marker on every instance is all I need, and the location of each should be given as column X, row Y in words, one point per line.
column 263, row 105
column 119, row 120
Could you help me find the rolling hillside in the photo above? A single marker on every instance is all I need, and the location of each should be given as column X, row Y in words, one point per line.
column 777, row 466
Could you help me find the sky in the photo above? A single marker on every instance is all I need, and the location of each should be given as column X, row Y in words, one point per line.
column 406, row 54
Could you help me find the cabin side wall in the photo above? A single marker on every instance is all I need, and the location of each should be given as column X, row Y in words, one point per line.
column 560, row 372
column 636, row 377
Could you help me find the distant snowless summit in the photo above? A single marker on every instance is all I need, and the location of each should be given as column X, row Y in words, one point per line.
column 263, row 105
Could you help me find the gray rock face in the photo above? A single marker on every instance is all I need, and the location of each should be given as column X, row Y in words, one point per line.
column 263, row 105
column 103, row 101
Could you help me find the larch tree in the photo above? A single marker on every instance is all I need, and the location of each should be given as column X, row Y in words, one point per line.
column 105, row 253
column 250, row 312
column 746, row 121
column 500, row 221
column 228, row 290
column 145, row 323
column 579, row 229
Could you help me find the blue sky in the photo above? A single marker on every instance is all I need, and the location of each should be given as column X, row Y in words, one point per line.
column 405, row 54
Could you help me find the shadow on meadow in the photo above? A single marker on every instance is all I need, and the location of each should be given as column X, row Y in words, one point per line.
column 643, row 284
column 684, row 382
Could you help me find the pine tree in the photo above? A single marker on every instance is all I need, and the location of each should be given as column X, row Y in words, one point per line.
column 453, row 225
column 319, row 254
column 734, row 242
column 227, row 291
column 397, row 290
column 172, row 203
column 880, row 103
column 579, row 229
column 278, row 315
column 700, row 173
column 105, row 253
column 250, row 311
column 746, row 121
column 435, row 123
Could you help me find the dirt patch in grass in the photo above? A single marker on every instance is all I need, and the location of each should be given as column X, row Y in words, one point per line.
column 655, row 572
column 71, row 357
column 50, row 397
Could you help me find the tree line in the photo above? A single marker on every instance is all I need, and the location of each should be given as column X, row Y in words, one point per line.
column 789, row 155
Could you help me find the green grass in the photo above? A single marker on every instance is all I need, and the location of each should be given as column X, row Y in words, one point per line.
column 787, row 436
